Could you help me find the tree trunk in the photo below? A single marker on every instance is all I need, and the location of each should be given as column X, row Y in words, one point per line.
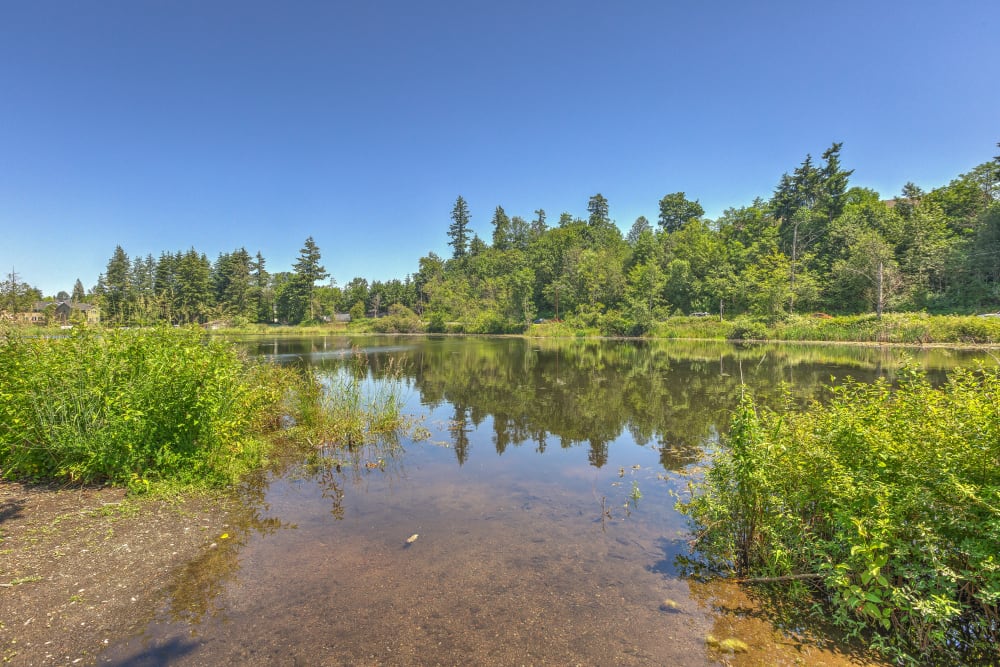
column 880, row 297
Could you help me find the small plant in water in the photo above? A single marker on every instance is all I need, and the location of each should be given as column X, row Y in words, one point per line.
column 635, row 495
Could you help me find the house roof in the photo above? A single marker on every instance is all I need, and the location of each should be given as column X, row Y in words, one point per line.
column 73, row 305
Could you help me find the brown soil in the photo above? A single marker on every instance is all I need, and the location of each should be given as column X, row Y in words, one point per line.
column 82, row 567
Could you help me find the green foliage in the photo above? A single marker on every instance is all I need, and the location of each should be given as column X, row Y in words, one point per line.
column 436, row 323
column 357, row 311
column 676, row 211
column 133, row 407
column 399, row 320
column 891, row 498
column 748, row 329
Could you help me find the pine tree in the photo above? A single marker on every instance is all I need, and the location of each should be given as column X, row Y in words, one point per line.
column 308, row 270
column 458, row 232
column 114, row 287
column 501, row 229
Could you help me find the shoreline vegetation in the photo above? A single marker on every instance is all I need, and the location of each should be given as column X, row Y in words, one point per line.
column 164, row 409
column 878, row 510
column 895, row 328
column 913, row 329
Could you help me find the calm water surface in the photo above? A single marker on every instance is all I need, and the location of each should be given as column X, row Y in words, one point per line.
column 541, row 494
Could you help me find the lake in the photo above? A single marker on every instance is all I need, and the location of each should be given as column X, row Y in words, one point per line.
column 539, row 477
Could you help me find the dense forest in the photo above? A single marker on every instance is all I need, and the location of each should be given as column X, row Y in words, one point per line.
column 817, row 244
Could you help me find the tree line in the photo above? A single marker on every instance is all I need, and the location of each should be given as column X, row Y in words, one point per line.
column 817, row 244
column 186, row 287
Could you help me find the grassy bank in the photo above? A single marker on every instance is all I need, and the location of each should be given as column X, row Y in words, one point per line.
column 895, row 328
column 880, row 510
column 162, row 406
column 892, row 328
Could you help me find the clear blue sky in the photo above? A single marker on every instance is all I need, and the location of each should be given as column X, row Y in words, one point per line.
column 166, row 124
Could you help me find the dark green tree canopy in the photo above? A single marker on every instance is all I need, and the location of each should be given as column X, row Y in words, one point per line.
column 676, row 210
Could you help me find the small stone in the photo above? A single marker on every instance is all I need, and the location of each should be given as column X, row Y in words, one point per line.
column 412, row 538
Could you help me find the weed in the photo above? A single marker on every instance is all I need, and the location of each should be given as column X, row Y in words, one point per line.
column 886, row 501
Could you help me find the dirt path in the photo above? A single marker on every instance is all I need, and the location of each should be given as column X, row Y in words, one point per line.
column 82, row 567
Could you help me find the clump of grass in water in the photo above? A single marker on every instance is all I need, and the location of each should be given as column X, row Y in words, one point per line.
column 346, row 408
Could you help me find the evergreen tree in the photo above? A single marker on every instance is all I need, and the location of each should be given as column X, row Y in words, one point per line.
column 79, row 294
column 458, row 232
column 538, row 225
column 261, row 293
column 17, row 296
column 501, row 229
column 193, row 287
column 597, row 207
column 308, row 270
column 165, row 285
column 231, row 277
column 114, row 287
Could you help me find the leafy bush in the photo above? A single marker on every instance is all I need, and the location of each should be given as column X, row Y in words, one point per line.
column 492, row 322
column 745, row 329
column 133, row 406
column 399, row 320
column 614, row 323
column 437, row 323
column 357, row 311
column 888, row 501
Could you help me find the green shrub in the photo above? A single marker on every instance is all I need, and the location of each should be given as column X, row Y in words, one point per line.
column 399, row 320
column 889, row 498
column 437, row 323
column 614, row 323
column 357, row 311
column 134, row 406
column 745, row 329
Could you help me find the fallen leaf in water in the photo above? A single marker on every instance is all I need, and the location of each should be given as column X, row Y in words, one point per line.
column 412, row 538
column 224, row 536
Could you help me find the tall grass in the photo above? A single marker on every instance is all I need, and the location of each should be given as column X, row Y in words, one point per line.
column 133, row 407
column 348, row 406
column 887, row 500
column 906, row 328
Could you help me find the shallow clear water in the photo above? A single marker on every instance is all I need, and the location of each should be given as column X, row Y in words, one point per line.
column 542, row 504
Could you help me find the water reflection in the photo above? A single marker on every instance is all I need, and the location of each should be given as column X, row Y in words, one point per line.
column 673, row 396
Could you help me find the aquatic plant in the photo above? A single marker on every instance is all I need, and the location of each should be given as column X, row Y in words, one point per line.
column 882, row 508
column 346, row 406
